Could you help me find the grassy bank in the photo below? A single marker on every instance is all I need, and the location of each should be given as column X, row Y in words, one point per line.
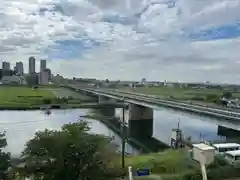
column 26, row 98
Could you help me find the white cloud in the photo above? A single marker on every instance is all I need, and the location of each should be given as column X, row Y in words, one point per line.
column 137, row 39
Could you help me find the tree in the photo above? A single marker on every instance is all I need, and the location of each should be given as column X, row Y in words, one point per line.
column 227, row 95
column 67, row 154
column 4, row 157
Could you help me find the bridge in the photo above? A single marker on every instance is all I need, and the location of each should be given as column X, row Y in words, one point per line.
column 141, row 107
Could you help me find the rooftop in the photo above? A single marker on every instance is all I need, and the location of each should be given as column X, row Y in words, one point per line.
column 203, row 146
column 226, row 145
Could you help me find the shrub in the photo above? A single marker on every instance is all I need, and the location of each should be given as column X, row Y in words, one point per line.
column 227, row 95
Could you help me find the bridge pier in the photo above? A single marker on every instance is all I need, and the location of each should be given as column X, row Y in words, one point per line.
column 228, row 132
column 108, row 111
column 140, row 122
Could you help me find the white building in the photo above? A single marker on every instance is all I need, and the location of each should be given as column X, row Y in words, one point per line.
column 32, row 63
column 44, row 77
column 13, row 80
column 19, row 68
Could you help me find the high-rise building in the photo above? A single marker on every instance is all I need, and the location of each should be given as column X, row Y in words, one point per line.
column 44, row 77
column 19, row 68
column 43, row 64
column 49, row 73
column 32, row 63
column 6, row 65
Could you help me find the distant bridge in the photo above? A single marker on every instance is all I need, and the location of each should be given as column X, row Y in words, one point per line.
column 141, row 107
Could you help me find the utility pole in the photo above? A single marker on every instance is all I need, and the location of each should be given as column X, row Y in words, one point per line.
column 123, row 136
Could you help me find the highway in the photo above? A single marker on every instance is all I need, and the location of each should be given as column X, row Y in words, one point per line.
column 155, row 102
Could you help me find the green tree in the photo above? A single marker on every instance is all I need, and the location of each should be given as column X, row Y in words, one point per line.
column 227, row 95
column 67, row 154
column 4, row 157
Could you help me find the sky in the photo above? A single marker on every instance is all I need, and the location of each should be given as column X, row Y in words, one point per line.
column 174, row 40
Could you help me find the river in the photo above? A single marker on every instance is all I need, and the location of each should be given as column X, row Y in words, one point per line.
column 20, row 126
column 196, row 126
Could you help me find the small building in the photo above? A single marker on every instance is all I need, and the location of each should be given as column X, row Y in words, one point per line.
column 203, row 153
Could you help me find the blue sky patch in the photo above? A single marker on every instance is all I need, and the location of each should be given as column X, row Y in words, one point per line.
column 65, row 49
column 222, row 32
column 118, row 19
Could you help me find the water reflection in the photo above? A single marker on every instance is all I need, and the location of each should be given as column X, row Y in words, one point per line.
column 198, row 127
column 20, row 126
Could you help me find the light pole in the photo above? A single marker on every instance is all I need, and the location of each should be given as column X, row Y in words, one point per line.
column 123, row 135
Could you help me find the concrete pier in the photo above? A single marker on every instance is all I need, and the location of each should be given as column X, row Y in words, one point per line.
column 106, row 111
column 140, row 123
column 228, row 132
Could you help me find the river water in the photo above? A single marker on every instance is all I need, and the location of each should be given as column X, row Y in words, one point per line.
column 20, row 126
column 197, row 127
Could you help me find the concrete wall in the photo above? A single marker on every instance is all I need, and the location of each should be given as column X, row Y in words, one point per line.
column 140, row 121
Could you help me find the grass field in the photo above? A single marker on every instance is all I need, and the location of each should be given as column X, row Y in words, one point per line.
column 184, row 94
column 22, row 96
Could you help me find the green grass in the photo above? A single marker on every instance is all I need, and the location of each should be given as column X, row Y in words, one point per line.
column 167, row 162
column 184, row 94
column 22, row 96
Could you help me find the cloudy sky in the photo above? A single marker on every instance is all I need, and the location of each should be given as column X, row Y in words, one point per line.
column 177, row 40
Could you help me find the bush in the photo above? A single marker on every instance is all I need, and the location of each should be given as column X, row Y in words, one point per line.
column 227, row 95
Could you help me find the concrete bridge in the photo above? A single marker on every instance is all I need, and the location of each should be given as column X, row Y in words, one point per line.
column 141, row 107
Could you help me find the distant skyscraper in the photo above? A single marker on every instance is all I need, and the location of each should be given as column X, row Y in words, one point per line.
column 43, row 64
column 49, row 73
column 19, row 68
column 44, row 77
column 32, row 63
column 6, row 65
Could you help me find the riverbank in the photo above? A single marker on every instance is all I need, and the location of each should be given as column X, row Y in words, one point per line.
column 27, row 98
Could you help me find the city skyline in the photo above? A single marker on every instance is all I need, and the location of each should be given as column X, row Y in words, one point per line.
column 19, row 66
